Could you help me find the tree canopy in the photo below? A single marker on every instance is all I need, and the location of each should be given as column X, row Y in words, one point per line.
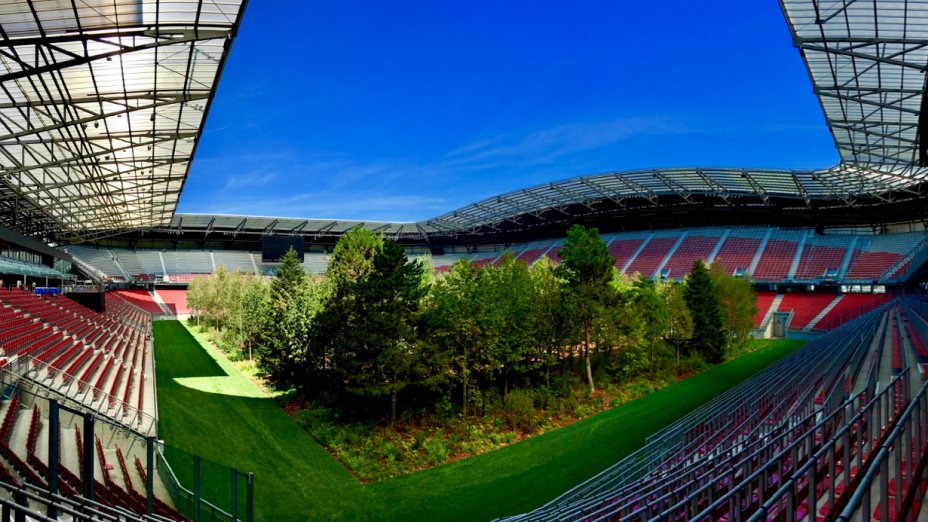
column 381, row 333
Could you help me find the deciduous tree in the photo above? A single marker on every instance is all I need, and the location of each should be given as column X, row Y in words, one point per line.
column 587, row 269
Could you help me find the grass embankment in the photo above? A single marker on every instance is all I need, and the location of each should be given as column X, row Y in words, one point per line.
column 209, row 408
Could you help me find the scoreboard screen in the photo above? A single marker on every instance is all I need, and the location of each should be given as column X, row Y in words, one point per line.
column 274, row 247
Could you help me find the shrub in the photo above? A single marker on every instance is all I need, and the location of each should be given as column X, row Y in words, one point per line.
column 562, row 384
column 506, row 437
column 445, row 408
column 543, row 397
column 583, row 411
column 618, row 399
column 521, row 408
column 435, row 450
column 693, row 364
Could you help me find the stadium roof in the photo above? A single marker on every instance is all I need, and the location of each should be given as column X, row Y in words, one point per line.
column 867, row 61
column 222, row 224
column 842, row 186
column 105, row 102
column 101, row 108
column 846, row 193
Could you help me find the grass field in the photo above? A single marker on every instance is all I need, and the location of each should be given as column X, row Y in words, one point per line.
column 208, row 408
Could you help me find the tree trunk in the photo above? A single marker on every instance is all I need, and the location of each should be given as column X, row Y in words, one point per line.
column 392, row 407
column 464, row 387
column 548, row 371
column 506, row 386
column 586, row 354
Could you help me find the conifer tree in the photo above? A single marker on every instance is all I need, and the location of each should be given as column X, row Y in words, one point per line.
column 382, row 324
column 274, row 343
column 702, row 299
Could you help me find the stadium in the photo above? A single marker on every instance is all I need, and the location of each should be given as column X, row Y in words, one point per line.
column 106, row 413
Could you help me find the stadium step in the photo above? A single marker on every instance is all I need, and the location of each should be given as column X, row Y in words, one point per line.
column 718, row 246
column 253, row 264
column 164, row 269
column 157, row 299
column 823, row 313
column 634, row 256
column 796, row 258
column 660, row 266
column 770, row 311
column 847, row 257
column 118, row 264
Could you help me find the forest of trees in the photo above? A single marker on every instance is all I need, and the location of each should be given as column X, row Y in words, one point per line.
column 380, row 333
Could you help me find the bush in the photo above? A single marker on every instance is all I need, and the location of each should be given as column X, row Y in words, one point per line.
column 583, row 411
column 435, row 450
column 693, row 364
column 543, row 397
column 562, row 384
column 618, row 399
column 444, row 408
column 506, row 437
column 521, row 408
column 640, row 388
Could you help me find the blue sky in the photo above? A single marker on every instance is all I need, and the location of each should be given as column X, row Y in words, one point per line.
column 405, row 110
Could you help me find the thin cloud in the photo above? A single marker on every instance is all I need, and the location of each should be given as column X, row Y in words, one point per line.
column 253, row 179
column 332, row 185
column 547, row 145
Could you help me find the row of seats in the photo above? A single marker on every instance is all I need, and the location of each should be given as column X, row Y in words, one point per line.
column 175, row 299
column 816, row 311
column 848, row 307
column 83, row 349
column 186, row 278
column 804, row 306
column 140, row 298
column 795, row 442
column 26, row 461
column 97, row 359
column 767, row 255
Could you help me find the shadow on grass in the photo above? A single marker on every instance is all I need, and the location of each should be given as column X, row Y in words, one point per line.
column 238, row 427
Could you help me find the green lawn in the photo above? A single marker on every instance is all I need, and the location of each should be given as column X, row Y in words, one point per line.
column 208, row 408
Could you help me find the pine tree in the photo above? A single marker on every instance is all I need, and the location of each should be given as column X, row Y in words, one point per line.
column 382, row 325
column 274, row 343
column 288, row 277
column 702, row 299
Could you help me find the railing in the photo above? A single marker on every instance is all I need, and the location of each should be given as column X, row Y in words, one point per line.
column 219, row 493
column 237, row 500
column 728, row 426
column 846, row 315
column 77, row 392
column 91, row 270
column 853, row 441
column 901, row 459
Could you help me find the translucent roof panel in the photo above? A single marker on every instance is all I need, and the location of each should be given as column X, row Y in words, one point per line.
column 867, row 61
column 101, row 107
